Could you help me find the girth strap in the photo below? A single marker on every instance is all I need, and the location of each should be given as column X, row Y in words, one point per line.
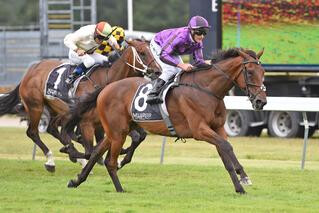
column 168, row 122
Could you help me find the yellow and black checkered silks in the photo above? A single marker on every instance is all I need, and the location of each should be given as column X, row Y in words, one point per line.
column 105, row 48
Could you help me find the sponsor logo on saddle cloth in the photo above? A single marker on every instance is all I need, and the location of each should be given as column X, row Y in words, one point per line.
column 142, row 111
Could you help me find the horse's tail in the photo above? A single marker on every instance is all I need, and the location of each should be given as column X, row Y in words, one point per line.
column 79, row 107
column 9, row 101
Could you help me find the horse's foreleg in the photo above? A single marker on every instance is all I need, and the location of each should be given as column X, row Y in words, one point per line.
column 69, row 146
column 201, row 131
column 244, row 179
column 137, row 136
column 96, row 154
column 87, row 130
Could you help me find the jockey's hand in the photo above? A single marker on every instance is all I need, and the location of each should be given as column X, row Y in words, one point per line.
column 186, row 67
column 80, row 52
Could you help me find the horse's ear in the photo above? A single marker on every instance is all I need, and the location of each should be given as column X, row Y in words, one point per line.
column 243, row 54
column 259, row 54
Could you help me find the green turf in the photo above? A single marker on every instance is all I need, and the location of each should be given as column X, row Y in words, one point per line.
column 26, row 187
column 284, row 44
column 192, row 178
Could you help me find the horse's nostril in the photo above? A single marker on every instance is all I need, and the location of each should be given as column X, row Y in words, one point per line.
column 258, row 102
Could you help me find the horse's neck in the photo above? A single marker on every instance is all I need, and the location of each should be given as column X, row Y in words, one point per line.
column 120, row 69
column 128, row 64
column 219, row 79
column 99, row 76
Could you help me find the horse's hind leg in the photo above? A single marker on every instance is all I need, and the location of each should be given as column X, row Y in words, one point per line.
column 99, row 135
column 137, row 138
column 244, row 179
column 111, row 160
column 33, row 133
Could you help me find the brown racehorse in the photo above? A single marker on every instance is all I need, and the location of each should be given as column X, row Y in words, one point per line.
column 136, row 60
column 195, row 106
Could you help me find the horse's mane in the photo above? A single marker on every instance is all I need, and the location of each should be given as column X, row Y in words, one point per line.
column 220, row 55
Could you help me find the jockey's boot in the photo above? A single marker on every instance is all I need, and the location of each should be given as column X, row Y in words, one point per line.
column 152, row 97
column 79, row 69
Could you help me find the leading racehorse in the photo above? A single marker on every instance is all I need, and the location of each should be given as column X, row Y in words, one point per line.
column 136, row 60
column 195, row 106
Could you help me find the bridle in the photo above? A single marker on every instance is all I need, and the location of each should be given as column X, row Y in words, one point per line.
column 146, row 71
column 261, row 88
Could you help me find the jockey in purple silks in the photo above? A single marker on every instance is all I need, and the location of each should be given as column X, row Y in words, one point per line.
column 168, row 45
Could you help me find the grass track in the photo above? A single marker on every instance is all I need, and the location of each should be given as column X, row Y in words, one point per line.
column 155, row 188
column 192, row 179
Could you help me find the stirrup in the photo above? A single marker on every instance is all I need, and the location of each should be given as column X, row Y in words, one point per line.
column 154, row 100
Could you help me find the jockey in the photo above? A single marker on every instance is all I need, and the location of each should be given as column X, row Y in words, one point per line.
column 106, row 48
column 169, row 44
column 82, row 44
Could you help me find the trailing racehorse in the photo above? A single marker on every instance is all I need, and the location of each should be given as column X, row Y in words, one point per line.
column 195, row 106
column 30, row 92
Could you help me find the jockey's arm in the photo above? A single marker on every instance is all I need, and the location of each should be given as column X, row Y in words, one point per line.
column 198, row 56
column 113, row 42
column 71, row 39
column 168, row 51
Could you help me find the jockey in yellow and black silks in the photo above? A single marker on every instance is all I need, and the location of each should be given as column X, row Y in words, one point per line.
column 106, row 48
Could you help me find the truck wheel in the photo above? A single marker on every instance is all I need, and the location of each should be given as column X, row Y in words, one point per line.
column 284, row 124
column 237, row 123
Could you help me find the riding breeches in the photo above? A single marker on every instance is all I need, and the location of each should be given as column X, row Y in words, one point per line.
column 168, row 71
column 88, row 59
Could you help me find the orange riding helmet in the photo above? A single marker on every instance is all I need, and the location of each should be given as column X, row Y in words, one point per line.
column 103, row 30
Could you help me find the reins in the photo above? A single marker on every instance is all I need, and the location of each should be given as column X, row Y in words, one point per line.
column 247, row 91
column 136, row 57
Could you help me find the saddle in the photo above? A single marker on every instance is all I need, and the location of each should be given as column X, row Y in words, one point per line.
column 174, row 80
column 56, row 87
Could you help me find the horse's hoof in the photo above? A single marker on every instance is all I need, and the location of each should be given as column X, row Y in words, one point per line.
column 241, row 191
column 65, row 149
column 72, row 159
column 246, row 181
column 50, row 168
column 100, row 161
column 72, row 184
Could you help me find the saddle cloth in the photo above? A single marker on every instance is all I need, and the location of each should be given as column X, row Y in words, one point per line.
column 144, row 112
column 55, row 86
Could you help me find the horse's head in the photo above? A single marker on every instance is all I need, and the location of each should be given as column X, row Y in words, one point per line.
column 145, row 58
column 251, row 78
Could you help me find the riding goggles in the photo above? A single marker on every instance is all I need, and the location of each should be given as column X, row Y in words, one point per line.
column 200, row 32
column 106, row 37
